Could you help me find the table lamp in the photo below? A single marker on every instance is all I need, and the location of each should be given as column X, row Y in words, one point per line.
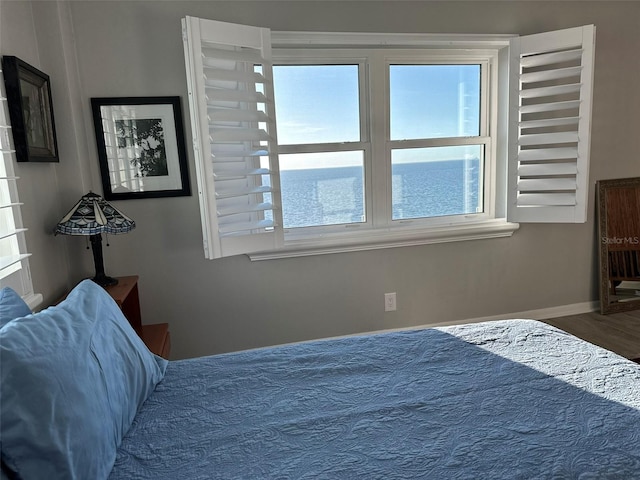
column 92, row 216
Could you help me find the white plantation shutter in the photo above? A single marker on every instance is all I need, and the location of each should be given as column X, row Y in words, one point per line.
column 14, row 263
column 550, row 125
column 229, row 75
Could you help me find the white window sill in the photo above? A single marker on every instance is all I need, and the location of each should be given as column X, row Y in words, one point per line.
column 33, row 300
column 495, row 228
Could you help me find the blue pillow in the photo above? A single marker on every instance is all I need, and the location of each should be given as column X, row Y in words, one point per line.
column 11, row 306
column 72, row 379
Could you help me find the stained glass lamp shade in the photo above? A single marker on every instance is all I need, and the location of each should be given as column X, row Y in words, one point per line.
column 92, row 216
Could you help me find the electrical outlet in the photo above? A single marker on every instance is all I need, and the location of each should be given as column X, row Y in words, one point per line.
column 390, row 302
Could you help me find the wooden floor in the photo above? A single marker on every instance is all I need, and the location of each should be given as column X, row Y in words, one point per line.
column 618, row 332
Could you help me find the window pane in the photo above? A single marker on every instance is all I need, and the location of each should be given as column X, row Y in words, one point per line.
column 433, row 182
column 434, row 101
column 9, row 248
column 317, row 103
column 322, row 188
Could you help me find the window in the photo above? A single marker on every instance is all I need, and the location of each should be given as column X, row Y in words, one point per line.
column 14, row 263
column 434, row 136
column 333, row 142
column 442, row 107
column 322, row 144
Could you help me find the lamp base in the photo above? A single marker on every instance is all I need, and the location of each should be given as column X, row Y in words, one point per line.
column 100, row 278
column 105, row 281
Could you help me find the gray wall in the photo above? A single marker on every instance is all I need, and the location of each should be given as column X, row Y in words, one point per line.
column 129, row 48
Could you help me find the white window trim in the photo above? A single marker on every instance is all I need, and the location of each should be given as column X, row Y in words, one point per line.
column 333, row 39
column 383, row 232
column 508, row 48
column 493, row 228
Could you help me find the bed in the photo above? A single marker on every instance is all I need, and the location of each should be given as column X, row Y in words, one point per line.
column 500, row 400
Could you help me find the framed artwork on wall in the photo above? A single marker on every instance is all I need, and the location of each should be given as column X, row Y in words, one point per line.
column 141, row 147
column 30, row 111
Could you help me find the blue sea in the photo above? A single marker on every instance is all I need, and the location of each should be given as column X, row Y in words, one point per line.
column 331, row 196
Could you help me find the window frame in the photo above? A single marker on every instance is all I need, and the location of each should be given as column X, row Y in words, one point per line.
column 488, row 122
column 342, row 57
column 380, row 230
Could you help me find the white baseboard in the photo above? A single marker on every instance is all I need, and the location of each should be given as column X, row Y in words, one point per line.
column 540, row 314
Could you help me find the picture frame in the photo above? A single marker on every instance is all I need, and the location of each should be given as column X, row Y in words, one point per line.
column 30, row 111
column 141, row 147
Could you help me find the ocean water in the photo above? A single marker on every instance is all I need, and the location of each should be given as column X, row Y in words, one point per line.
column 331, row 196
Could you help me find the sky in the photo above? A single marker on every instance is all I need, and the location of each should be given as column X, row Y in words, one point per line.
column 320, row 103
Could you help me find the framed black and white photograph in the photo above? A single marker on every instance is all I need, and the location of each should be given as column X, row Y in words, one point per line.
column 141, row 147
column 30, row 111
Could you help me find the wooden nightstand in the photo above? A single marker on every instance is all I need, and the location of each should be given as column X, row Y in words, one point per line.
column 125, row 293
column 156, row 336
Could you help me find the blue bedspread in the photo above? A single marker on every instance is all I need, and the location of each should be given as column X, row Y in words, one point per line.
column 499, row 400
